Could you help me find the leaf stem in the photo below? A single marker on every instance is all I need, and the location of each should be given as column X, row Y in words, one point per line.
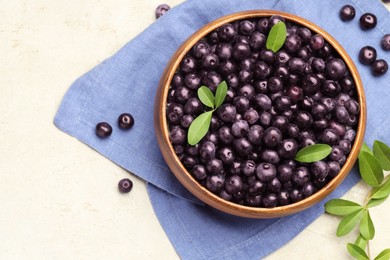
column 368, row 249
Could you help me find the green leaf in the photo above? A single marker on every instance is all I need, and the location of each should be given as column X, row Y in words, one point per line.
column 367, row 229
column 276, row 37
column 384, row 255
column 382, row 154
column 206, row 96
column 220, row 94
column 357, row 252
column 381, row 191
column 199, row 127
column 365, row 148
column 375, row 202
column 348, row 223
column 361, row 242
column 340, row 207
column 370, row 169
column 313, row 153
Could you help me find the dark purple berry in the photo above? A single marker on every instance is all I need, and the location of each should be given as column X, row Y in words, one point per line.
column 103, row 130
column 292, row 43
column 256, row 188
column 227, row 113
column 270, row 156
column 367, row 55
column 241, row 103
column 337, row 127
column 296, row 195
column 284, row 172
column 161, row 10
column 319, row 169
column 265, row 172
column 242, row 147
column 379, row 67
column 241, row 51
column 347, row 13
column 331, row 88
column 335, row 68
column 255, row 134
column 262, row 25
column 305, row 34
column 334, row 169
column 367, row 21
column 282, row 58
column 329, row 136
column 272, row 137
column 233, row 184
column 246, row 27
column 125, row 121
column 336, row 153
column 240, row 128
column 248, row 168
column 201, row 48
column 125, row 185
column 303, row 120
column 188, row 64
column 215, row 183
column 214, row 166
column 226, row 155
column 274, row 186
column 308, row 189
column 345, row 146
column 224, row 51
column 274, row 19
column 226, row 32
column 207, row 151
column 316, row 42
column 288, row 148
column 251, row 116
column 310, row 84
column 261, row 70
column 210, row 61
column 199, row 172
column 385, row 42
column 193, row 106
column 301, row 176
column 341, row 114
column 283, row 198
column 295, row 93
column 293, row 130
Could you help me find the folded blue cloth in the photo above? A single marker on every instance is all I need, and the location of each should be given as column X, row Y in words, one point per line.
column 127, row 82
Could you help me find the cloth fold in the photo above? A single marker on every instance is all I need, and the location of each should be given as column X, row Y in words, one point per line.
column 127, row 82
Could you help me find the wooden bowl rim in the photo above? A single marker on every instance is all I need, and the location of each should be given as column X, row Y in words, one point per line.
column 174, row 163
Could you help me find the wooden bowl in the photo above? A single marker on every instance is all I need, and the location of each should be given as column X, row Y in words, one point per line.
column 162, row 132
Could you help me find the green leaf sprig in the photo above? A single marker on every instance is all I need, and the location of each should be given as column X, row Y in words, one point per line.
column 201, row 124
column 313, row 153
column 276, row 37
column 372, row 164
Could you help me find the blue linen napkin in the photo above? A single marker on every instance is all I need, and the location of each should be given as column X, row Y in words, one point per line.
column 127, row 82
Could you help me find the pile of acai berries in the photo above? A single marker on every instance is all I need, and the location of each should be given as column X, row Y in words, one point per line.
column 276, row 104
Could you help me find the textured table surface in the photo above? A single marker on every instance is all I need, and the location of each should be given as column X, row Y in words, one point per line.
column 59, row 198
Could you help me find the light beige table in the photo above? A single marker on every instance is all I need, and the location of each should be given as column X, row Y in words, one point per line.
column 59, row 198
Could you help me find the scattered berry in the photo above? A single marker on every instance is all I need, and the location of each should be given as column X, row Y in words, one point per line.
column 125, row 185
column 125, row 121
column 367, row 55
column 347, row 13
column 385, row 42
column 161, row 10
column 379, row 67
column 103, row 129
column 367, row 21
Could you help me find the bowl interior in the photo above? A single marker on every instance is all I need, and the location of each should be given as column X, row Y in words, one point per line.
column 174, row 163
